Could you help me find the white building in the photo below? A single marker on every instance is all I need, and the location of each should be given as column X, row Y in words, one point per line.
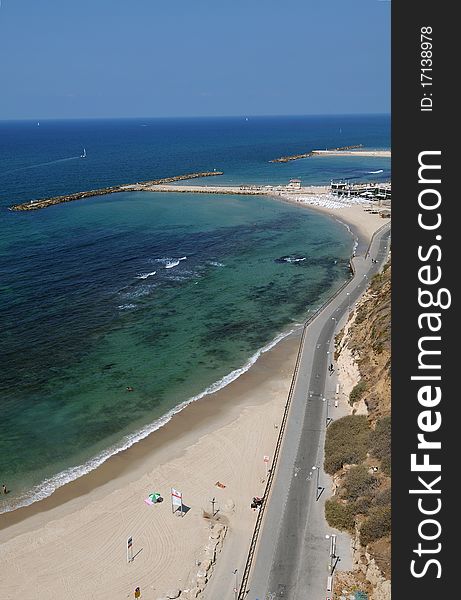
column 295, row 184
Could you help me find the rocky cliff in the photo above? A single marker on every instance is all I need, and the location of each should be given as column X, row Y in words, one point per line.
column 360, row 463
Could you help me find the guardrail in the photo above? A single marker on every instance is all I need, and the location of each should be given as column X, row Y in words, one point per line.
column 254, row 539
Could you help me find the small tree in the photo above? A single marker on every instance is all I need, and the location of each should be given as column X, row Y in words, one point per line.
column 380, row 439
column 376, row 526
column 346, row 442
column 339, row 516
column 358, row 482
column 358, row 391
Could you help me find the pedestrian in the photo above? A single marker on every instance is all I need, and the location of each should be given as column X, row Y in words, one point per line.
column 4, row 489
column 137, row 592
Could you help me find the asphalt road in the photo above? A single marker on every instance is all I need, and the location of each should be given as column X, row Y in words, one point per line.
column 291, row 561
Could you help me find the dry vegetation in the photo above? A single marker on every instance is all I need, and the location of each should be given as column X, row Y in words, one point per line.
column 358, row 447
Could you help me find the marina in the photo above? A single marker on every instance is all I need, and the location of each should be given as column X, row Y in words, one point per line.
column 341, row 189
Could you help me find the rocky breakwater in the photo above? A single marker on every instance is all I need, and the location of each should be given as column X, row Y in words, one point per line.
column 140, row 186
column 284, row 159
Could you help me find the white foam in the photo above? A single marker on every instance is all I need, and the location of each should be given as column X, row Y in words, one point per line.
column 170, row 265
column 127, row 306
column 182, row 277
column 50, row 485
column 356, row 239
column 51, row 162
column 139, row 292
column 146, row 275
column 294, row 260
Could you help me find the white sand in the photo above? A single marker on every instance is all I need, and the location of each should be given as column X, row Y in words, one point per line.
column 77, row 551
column 353, row 211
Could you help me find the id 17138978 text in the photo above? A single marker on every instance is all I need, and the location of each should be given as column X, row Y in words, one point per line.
column 426, row 101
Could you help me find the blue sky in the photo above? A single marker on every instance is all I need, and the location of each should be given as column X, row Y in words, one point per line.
column 114, row 58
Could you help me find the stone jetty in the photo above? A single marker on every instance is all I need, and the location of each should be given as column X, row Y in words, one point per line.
column 284, row 159
column 132, row 187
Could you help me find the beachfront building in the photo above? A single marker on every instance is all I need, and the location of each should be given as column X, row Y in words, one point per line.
column 370, row 191
column 295, row 184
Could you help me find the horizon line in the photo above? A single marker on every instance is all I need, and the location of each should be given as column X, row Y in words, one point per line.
column 242, row 116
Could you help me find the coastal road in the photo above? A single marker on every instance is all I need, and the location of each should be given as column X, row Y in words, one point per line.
column 292, row 555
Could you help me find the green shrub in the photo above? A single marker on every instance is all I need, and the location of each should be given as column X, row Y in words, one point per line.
column 339, row 516
column 346, row 442
column 380, row 439
column 383, row 497
column 358, row 391
column 362, row 505
column 376, row 526
column 358, row 482
column 360, row 316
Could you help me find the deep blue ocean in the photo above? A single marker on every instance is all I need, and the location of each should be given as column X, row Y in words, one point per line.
column 172, row 295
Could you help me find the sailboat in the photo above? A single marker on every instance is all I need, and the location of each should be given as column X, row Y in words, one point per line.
column 84, row 153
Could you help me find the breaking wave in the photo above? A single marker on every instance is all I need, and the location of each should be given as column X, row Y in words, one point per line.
column 50, row 485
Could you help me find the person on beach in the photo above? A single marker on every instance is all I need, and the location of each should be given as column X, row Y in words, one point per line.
column 4, row 489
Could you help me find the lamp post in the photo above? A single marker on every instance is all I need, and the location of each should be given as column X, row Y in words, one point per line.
column 236, row 588
column 328, row 419
column 316, row 468
column 333, row 556
column 348, row 294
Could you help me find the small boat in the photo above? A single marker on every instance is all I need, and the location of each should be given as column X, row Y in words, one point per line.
column 84, row 153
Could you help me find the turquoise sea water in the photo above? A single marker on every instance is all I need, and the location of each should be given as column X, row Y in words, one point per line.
column 93, row 301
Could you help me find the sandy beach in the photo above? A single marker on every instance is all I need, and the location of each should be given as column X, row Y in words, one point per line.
column 72, row 545
column 354, row 212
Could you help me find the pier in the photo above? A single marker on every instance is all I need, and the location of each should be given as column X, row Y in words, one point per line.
column 132, row 187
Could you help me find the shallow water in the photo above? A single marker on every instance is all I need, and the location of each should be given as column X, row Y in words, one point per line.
column 163, row 293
